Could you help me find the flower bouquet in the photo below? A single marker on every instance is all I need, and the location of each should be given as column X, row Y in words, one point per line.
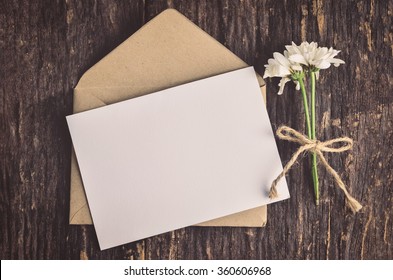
column 300, row 64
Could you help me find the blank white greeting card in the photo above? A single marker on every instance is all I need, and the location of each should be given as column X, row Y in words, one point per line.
column 176, row 157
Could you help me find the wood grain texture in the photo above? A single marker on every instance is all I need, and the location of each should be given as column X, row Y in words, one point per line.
column 46, row 46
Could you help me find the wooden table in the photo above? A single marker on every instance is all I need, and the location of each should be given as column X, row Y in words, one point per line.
column 47, row 45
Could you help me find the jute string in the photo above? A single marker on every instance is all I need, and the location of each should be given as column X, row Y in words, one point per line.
column 311, row 146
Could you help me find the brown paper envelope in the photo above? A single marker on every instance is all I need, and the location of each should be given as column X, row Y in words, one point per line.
column 168, row 51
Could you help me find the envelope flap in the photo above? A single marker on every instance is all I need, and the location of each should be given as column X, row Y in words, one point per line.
column 169, row 49
column 85, row 99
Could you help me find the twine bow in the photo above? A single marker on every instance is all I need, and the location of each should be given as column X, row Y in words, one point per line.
column 309, row 145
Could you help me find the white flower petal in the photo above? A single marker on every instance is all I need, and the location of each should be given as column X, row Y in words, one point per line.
column 297, row 85
column 298, row 58
column 336, row 62
column 282, row 83
column 313, row 45
column 293, row 49
column 275, row 69
column 297, row 67
column 282, row 59
column 323, row 64
column 321, row 54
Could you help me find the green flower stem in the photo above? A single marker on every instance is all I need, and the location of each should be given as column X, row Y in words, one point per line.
column 311, row 128
column 313, row 136
column 306, row 109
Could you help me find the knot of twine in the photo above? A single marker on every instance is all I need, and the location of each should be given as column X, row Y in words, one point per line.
column 315, row 146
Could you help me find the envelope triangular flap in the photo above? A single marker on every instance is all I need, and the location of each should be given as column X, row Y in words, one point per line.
column 168, row 51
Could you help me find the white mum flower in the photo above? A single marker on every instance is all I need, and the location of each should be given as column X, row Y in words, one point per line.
column 312, row 56
column 281, row 66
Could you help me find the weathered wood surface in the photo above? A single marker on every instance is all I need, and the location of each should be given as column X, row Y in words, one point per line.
column 46, row 46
